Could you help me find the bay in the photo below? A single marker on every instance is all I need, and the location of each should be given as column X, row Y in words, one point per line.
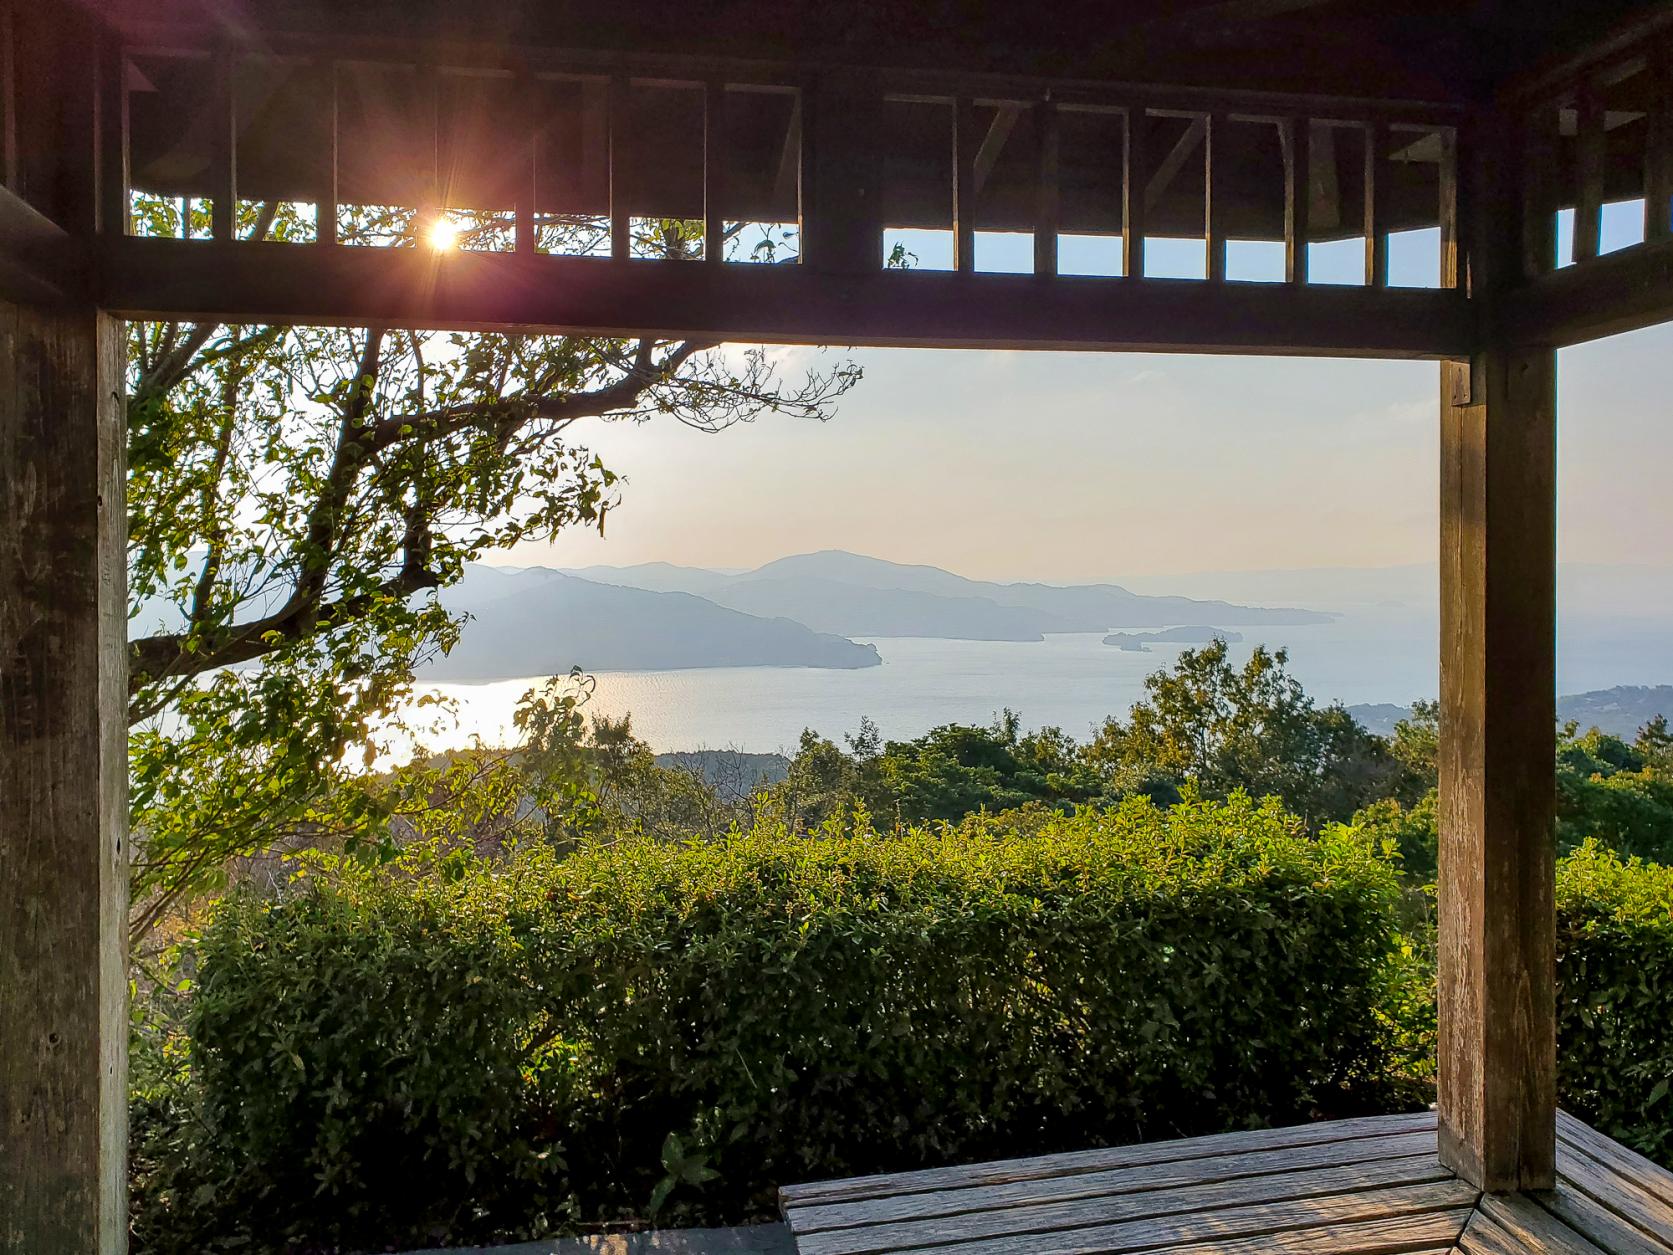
column 1072, row 681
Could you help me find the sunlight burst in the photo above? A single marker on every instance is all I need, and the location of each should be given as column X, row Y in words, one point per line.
column 442, row 235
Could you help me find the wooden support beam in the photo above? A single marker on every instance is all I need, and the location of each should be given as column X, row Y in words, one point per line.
column 1496, row 1093
column 804, row 304
column 223, row 149
column 842, row 212
column 1376, row 205
column 787, row 182
column 1588, row 209
column 531, row 123
column 1215, row 180
column 1626, row 290
column 616, row 113
column 965, row 144
column 1497, row 1082
column 1135, row 179
column 1658, row 146
column 993, row 142
column 325, row 215
column 1048, row 146
column 1453, row 275
column 63, row 778
column 1539, row 199
column 714, row 172
column 1295, row 136
column 1168, row 168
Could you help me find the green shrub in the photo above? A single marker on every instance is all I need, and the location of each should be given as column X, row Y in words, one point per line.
column 1615, row 996
column 444, row 1049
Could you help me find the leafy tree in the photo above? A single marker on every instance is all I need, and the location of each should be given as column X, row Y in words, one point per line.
column 957, row 769
column 296, row 496
column 1222, row 728
column 825, row 782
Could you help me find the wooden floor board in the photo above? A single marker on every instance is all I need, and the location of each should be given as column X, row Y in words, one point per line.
column 1361, row 1187
column 1619, row 1193
column 1116, row 1181
column 1357, row 1180
column 1648, row 1176
column 1000, row 1171
column 1596, row 1222
column 1393, row 1236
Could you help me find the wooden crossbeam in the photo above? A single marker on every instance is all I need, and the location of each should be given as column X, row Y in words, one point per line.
column 787, row 180
column 1621, row 291
column 993, row 142
column 248, row 282
column 1168, row 168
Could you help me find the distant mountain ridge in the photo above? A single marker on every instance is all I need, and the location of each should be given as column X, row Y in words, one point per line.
column 850, row 594
column 1619, row 711
column 543, row 622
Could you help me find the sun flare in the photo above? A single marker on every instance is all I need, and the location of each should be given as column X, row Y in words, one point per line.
column 443, row 236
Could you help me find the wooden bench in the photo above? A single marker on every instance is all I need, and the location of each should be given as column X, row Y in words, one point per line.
column 1351, row 1187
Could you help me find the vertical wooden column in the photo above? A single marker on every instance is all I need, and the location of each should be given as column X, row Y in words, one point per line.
column 1497, row 1082
column 63, row 784
column 842, row 211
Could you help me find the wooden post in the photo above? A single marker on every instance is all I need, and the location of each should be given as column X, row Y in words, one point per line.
column 63, row 784
column 842, row 213
column 1497, row 971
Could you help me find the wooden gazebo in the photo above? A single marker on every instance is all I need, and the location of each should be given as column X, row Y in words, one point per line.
column 1290, row 121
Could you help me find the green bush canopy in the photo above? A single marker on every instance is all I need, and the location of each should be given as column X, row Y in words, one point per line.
column 446, row 1047
column 452, row 1049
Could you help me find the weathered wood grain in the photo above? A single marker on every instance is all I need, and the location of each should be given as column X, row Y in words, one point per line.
column 875, row 1235
column 1365, row 1153
column 63, row 775
column 1618, row 1193
column 1621, row 1160
column 1003, row 1170
column 1594, row 1221
column 1497, row 1048
column 1382, row 1234
column 1534, row 1230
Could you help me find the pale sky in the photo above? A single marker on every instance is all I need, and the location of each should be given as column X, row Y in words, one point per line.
column 1073, row 466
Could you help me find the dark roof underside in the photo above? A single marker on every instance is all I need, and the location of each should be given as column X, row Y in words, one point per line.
column 1435, row 50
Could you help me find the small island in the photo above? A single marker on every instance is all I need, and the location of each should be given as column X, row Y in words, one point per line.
column 1140, row 642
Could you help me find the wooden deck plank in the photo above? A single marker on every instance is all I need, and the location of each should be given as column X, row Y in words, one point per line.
column 1403, row 1235
column 998, row 1172
column 1187, row 1228
column 1115, row 1181
column 1532, row 1229
column 1621, row 1160
column 1483, row 1236
column 1616, row 1192
column 1107, row 1209
column 1595, row 1221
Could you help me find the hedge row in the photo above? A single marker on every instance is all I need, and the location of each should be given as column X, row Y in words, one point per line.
column 1615, row 996
column 444, row 1050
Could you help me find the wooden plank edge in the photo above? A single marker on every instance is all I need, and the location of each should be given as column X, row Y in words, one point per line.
column 1068, row 1215
column 1132, row 1155
column 1648, row 1174
column 1363, row 1154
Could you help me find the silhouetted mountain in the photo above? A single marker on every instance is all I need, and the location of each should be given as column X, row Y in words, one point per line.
column 855, row 610
column 853, row 595
column 541, row 622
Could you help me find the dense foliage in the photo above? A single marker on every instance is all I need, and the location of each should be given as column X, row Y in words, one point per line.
column 463, row 1048
column 1615, row 996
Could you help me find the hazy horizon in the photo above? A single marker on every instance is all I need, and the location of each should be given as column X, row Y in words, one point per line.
column 1088, row 467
